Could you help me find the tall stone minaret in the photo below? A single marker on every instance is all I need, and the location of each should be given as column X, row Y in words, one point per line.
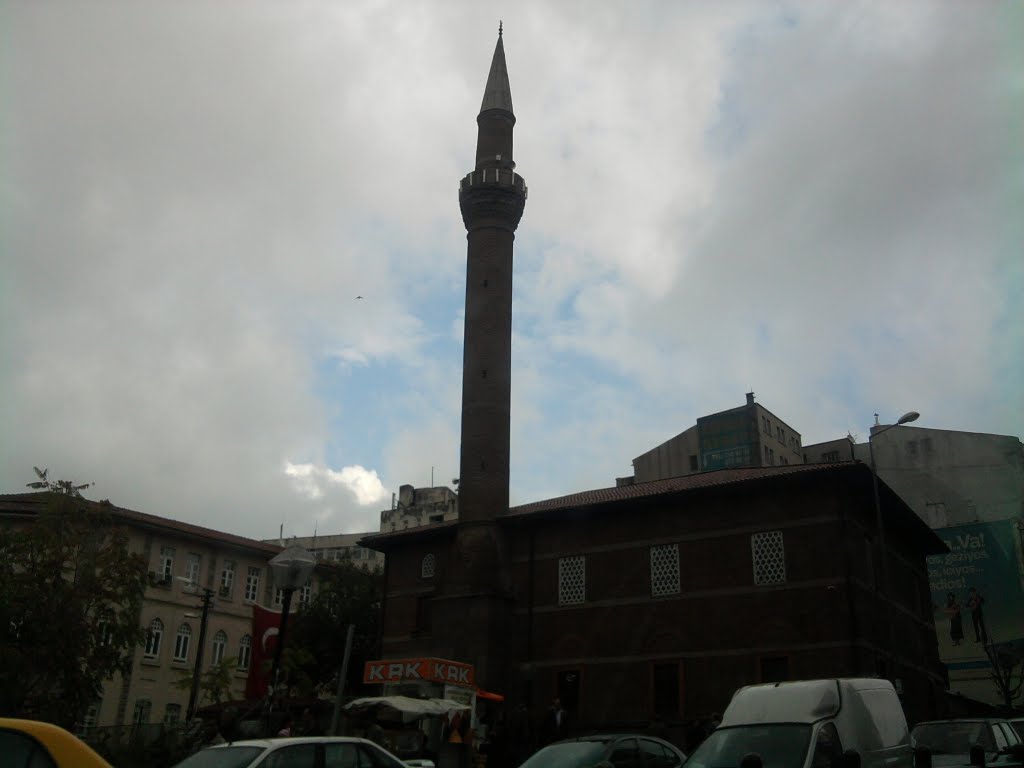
column 492, row 197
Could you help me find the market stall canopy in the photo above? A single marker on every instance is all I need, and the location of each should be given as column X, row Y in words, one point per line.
column 404, row 708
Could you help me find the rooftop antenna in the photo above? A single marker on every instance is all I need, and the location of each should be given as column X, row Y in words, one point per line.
column 499, row 27
column 280, row 535
column 431, row 475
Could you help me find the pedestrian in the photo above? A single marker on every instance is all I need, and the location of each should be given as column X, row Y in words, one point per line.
column 554, row 725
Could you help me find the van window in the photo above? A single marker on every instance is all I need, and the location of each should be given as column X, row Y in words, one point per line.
column 887, row 716
column 827, row 747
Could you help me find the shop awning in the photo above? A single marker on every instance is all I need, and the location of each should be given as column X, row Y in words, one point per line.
column 404, row 708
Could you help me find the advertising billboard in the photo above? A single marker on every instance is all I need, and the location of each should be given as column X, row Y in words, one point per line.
column 978, row 591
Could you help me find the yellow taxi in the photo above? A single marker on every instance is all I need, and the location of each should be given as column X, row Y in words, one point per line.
column 44, row 745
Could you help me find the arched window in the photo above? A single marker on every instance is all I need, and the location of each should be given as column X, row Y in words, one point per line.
column 181, row 642
column 220, row 642
column 153, row 637
column 427, row 567
column 244, row 652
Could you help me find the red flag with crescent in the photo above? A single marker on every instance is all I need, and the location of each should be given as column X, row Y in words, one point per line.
column 265, row 627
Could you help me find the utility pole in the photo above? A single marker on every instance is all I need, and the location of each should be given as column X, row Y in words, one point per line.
column 194, row 693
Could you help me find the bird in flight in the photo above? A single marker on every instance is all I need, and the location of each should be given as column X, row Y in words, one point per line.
column 359, row 297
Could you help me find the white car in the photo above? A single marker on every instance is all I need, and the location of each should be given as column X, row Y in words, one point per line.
column 295, row 752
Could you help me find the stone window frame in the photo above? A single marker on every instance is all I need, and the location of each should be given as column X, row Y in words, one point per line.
column 572, row 580
column 664, row 570
column 768, row 558
column 428, row 566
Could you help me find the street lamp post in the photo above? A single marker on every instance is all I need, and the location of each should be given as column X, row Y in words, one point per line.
column 882, row 584
column 193, row 695
column 291, row 568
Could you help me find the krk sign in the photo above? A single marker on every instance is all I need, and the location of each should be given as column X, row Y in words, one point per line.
column 428, row 670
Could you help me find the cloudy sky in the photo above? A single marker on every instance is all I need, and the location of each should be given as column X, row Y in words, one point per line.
column 817, row 202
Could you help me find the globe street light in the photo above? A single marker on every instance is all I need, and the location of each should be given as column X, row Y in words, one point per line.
column 291, row 569
column 882, row 584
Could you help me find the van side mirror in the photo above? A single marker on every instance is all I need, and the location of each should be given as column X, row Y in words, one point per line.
column 978, row 756
column 751, row 760
column 922, row 757
column 850, row 759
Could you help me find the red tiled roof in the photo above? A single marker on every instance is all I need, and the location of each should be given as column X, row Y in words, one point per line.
column 14, row 503
column 670, row 485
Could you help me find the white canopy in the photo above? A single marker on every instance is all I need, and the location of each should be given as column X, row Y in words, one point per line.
column 403, row 708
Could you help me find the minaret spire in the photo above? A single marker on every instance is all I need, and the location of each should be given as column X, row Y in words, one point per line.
column 497, row 94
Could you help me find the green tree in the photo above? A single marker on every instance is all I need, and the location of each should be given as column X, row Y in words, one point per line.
column 312, row 658
column 214, row 684
column 70, row 597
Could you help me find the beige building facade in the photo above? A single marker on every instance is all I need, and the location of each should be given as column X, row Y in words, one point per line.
column 183, row 561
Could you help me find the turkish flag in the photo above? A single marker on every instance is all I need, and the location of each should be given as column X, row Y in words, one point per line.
column 266, row 625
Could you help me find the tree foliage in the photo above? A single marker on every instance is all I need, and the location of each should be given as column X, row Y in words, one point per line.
column 214, row 684
column 315, row 646
column 70, row 597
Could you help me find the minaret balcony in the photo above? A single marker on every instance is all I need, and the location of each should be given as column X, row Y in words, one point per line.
column 493, row 177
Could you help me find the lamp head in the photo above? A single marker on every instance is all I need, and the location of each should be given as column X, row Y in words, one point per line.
column 908, row 417
column 292, row 567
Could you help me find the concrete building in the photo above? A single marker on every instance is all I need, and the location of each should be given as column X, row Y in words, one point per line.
column 420, row 506
column 338, row 547
column 654, row 601
column 968, row 487
column 181, row 557
column 747, row 436
column 831, row 451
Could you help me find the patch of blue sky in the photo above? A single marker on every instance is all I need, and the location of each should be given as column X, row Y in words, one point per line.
column 736, row 116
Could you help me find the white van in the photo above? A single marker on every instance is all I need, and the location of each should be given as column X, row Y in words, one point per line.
column 810, row 724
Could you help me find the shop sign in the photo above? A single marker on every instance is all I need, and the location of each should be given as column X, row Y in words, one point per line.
column 427, row 670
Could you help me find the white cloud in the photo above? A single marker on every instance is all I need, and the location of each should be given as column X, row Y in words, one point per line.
column 314, row 482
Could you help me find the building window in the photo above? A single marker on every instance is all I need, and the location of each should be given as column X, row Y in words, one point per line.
column 694, row 466
column 665, row 689
column 153, row 637
column 912, row 449
column 252, row 584
column 173, row 714
column 572, row 580
column 140, row 716
column 830, row 457
column 278, row 598
column 769, row 557
column 220, row 642
column 427, row 567
column 166, row 565
column 227, row 578
column 305, row 593
column 766, row 454
column 771, row 456
column 192, row 569
column 244, row 652
column 665, row 570
column 181, row 642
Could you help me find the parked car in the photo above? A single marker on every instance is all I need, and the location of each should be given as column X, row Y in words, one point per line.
column 34, row 743
column 950, row 741
column 619, row 750
column 294, row 752
column 810, row 724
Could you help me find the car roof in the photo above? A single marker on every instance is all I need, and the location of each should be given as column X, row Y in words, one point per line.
column 267, row 743
column 989, row 720
column 63, row 745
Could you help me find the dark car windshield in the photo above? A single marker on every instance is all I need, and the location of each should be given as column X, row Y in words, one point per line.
column 569, row 754
column 952, row 738
column 222, row 757
column 780, row 746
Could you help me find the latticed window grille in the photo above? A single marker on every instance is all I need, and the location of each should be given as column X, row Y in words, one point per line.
column 769, row 556
column 572, row 580
column 665, row 570
column 427, row 567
